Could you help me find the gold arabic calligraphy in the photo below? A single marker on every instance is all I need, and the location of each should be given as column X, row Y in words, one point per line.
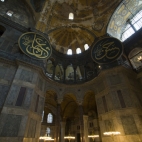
column 106, row 50
column 37, row 46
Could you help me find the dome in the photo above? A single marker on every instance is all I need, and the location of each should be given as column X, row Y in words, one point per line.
column 89, row 21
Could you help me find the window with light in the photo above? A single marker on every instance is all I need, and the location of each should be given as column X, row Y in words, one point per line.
column 10, row 13
column 78, row 50
column 132, row 26
column 47, row 130
column 71, row 16
column 86, row 46
column 49, row 118
column 69, row 52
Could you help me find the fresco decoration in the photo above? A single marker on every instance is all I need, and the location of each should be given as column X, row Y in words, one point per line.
column 35, row 46
column 106, row 50
column 126, row 10
column 92, row 15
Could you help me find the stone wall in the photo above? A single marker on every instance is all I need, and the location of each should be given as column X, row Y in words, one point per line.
column 119, row 105
column 23, row 103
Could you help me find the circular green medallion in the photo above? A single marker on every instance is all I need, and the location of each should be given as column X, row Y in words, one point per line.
column 35, row 46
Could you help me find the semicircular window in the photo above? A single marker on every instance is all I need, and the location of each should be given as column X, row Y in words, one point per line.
column 132, row 26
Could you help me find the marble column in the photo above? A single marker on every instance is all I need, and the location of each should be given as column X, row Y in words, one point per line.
column 74, row 74
column 85, row 73
column 54, row 68
column 85, row 120
column 81, row 122
column 64, row 77
column 62, row 131
column 58, row 119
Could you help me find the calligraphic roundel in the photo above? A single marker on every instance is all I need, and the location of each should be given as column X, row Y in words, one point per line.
column 107, row 50
column 35, row 46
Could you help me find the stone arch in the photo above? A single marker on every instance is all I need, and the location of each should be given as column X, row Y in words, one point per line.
column 50, row 104
column 69, row 106
column 89, row 104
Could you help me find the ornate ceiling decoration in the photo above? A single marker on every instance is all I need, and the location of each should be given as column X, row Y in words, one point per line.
column 126, row 10
column 90, row 21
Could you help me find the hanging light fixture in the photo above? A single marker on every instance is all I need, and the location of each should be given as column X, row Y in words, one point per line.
column 69, row 137
column 47, row 138
column 93, row 136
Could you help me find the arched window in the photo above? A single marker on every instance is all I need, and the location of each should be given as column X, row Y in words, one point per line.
column 49, row 118
column 71, row 16
column 69, row 52
column 132, row 26
column 47, row 130
column 78, row 50
column 10, row 13
column 86, row 46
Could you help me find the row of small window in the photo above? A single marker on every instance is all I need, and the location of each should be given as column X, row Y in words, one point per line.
column 78, row 50
column 132, row 26
column 49, row 117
